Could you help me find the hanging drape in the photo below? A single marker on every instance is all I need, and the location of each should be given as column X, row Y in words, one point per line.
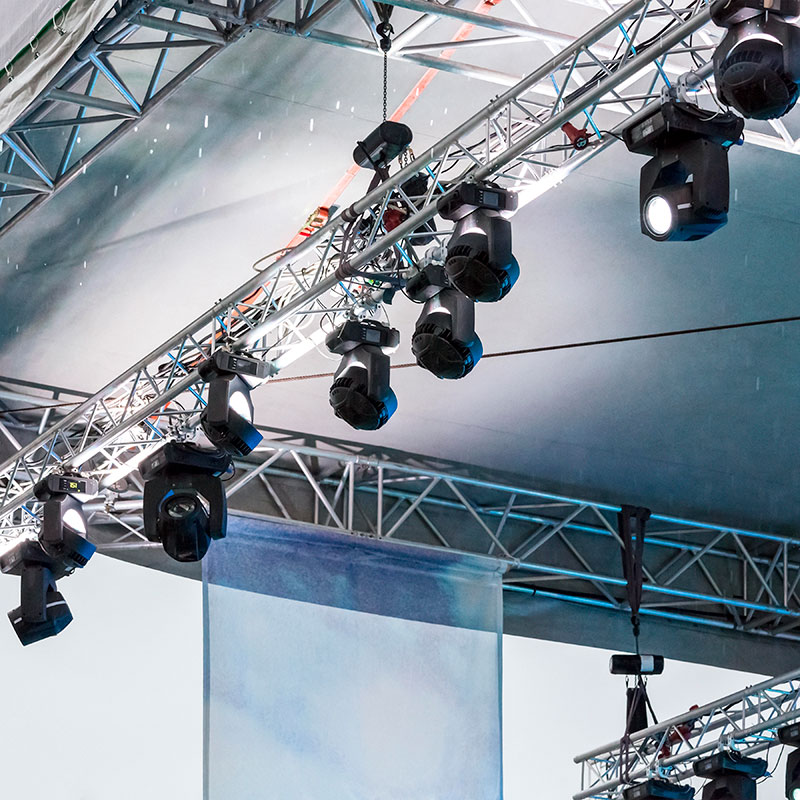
column 349, row 668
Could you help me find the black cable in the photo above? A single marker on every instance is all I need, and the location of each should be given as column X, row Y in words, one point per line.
column 590, row 343
column 644, row 336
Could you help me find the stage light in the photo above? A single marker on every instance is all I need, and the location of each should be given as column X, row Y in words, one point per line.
column 62, row 512
column 790, row 735
column 480, row 263
column 444, row 341
column 658, row 790
column 383, row 145
column 684, row 188
column 42, row 611
column 227, row 420
column 732, row 776
column 793, row 775
column 757, row 63
column 184, row 501
column 360, row 394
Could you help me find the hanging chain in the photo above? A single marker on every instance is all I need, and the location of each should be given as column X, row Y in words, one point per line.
column 385, row 83
column 385, row 31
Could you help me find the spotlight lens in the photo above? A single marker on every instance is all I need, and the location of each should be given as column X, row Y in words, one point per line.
column 658, row 215
column 238, row 403
column 74, row 520
column 180, row 507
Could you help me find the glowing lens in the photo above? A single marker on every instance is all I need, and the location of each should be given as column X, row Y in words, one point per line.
column 73, row 519
column 659, row 218
column 239, row 403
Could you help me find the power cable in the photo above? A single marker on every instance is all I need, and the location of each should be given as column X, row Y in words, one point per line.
column 524, row 351
column 589, row 343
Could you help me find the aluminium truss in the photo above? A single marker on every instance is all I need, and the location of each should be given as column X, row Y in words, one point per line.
column 746, row 722
column 338, row 271
column 343, row 269
column 101, row 94
column 556, row 546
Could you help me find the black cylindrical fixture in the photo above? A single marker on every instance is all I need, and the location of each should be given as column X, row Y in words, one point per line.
column 625, row 664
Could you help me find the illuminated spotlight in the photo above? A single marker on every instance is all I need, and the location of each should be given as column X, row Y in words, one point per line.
column 790, row 735
column 184, row 501
column 62, row 511
column 684, row 188
column 360, row 394
column 444, row 341
column 732, row 776
column 757, row 63
column 228, row 418
column 479, row 259
column 42, row 611
column 658, row 790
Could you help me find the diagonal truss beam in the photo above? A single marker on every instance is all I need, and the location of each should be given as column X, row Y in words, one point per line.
column 282, row 312
column 747, row 722
column 556, row 546
column 212, row 27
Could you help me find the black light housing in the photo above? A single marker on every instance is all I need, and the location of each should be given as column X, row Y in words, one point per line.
column 43, row 612
column 629, row 664
column 658, row 790
column 757, row 63
column 790, row 735
column 62, row 511
column 729, row 762
column 684, row 188
column 793, row 775
column 185, row 506
column 444, row 341
column 227, row 420
column 733, row 777
column 383, row 145
column 480, row 263
column 360, row 394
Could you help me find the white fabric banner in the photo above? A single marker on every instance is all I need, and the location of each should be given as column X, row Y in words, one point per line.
column 21, row 20
column 349, row 668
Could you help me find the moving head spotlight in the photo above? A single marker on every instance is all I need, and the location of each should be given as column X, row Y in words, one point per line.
column 658, row 790
column 43, row 611
column 360, row 394
column 790, row 735
column 733, row 777
column 62, row 511
column 479, row 259
column 444, row 341
column 757, row 63
column 685, row 187
column 227, row 420
column 185, row 506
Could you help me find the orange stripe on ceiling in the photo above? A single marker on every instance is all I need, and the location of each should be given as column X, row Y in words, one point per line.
column 483, row 7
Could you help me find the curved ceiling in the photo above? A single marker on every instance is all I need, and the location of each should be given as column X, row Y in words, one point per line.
column 172, row 217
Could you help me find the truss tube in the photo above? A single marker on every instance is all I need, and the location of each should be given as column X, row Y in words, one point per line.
column 89, row 158
column 299, row 302
column 665, row 43
column 688, row 716
column 596, row 602
column 486, row 21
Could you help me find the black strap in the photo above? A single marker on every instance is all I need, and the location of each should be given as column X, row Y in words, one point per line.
column 632, row 558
